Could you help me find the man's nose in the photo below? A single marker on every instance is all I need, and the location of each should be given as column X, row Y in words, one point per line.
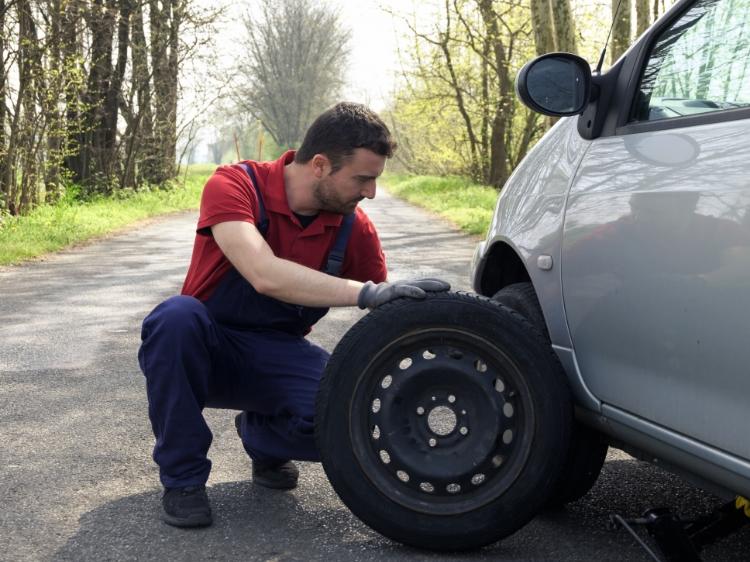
column 369, row 190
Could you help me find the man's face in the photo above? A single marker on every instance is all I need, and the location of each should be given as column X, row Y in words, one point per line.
column 341, row 191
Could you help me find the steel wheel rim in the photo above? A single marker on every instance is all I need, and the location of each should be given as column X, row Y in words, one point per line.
column 441, row 421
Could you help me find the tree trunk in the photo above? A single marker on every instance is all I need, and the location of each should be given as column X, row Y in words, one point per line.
column 499, row 161
column 3, row 140
column 642, row 15
column 139, row 154
column 541, row 22
column 28, row 64
column 564, row 26
column 56, row 128
column 91, row 166
column 621, row 30
column 112, row 100
column 71, row 39
column 165, row 23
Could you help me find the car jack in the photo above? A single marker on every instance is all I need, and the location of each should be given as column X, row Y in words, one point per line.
column 682, row 540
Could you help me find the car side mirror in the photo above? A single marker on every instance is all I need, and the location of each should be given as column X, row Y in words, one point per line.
column 557, row 84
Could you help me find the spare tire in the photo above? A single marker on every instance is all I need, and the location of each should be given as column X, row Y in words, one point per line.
column 443, row 423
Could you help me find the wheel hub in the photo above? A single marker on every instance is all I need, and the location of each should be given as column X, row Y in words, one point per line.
column 443, row 423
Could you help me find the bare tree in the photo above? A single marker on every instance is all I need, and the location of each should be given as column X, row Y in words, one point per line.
column 297, row 53
column 463, row 72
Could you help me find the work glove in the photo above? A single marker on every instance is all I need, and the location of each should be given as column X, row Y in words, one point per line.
column 373, row 295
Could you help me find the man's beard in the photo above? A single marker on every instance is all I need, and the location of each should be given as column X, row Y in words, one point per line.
column 328, row 200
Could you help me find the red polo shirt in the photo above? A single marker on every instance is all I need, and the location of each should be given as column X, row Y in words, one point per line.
column 229, row 196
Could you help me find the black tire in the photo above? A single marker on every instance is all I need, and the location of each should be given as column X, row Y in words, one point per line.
column 465, row 484
column 521, row 297
column 588, row 448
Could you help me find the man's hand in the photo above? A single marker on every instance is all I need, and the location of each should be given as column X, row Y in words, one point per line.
column 373, row 295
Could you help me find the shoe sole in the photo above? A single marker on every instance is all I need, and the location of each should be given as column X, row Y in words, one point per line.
column 187, row 522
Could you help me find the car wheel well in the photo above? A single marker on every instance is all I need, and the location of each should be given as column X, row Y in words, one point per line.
column 503, row 267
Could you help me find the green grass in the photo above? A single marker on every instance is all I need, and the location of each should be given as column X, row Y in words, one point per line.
column 52, row 227
column 467, row 204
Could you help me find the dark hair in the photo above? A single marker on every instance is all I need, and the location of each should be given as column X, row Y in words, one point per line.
column 341, row 129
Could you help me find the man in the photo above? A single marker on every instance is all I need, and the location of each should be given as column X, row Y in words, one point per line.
column 277, row 243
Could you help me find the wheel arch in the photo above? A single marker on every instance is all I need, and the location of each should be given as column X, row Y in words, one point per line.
column 503, row 266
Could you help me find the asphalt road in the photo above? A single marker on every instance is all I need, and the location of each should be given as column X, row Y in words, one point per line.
column 76, row 479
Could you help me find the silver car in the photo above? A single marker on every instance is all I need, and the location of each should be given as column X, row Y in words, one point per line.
column 625, row 236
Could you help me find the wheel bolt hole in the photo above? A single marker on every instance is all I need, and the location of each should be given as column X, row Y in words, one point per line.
column 432, row 441
column 376, row 406
column 376, row 432
column 426, row 487
column 508, row 410
column 480, row 366
column 405, row 363
column 477, row 479
column 403, row 476
column 385, row 457
column 464, row 431
column 451, row 399
column 456, row 354
column 507, row 436
column 420, row 410
column 497, row 460
column 386, row 382
column 427, row 354
column 499, row 385
column 453, row 488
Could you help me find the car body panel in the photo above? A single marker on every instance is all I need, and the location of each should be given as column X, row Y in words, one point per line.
column 656, row 278
column 529, row 217
column 647, row 223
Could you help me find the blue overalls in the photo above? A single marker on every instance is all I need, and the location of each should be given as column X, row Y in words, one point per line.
column 238, row 350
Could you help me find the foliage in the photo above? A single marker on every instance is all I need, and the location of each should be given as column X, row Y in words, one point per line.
column 77, row 217
column 460, row 77
column 456, row 111
column 463, row 202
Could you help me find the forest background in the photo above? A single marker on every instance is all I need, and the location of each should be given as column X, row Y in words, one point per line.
column 108, row 99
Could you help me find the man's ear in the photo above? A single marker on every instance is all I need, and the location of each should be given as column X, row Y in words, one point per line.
column 321, row 165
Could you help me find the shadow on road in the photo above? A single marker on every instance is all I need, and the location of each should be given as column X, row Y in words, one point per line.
column 254, row 523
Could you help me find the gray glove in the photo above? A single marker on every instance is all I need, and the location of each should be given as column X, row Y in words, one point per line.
column 373, row 295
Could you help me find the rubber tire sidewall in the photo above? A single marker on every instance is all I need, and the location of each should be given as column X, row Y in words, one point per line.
column 588, row 448
column 551, row 404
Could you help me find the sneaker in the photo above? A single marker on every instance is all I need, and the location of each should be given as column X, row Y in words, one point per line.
column 279, row 475
column 186, row 507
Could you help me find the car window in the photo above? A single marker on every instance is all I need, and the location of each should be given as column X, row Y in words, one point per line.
column 699, row 64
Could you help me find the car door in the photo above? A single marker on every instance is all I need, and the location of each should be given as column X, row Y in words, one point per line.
column 656, row 250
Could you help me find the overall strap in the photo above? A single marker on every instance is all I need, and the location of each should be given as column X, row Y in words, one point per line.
column 262, row 223
column 336, row 256
column 337, row 253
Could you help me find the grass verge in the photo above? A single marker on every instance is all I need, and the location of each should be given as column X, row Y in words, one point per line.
column 52, row 227
column 467, row 204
